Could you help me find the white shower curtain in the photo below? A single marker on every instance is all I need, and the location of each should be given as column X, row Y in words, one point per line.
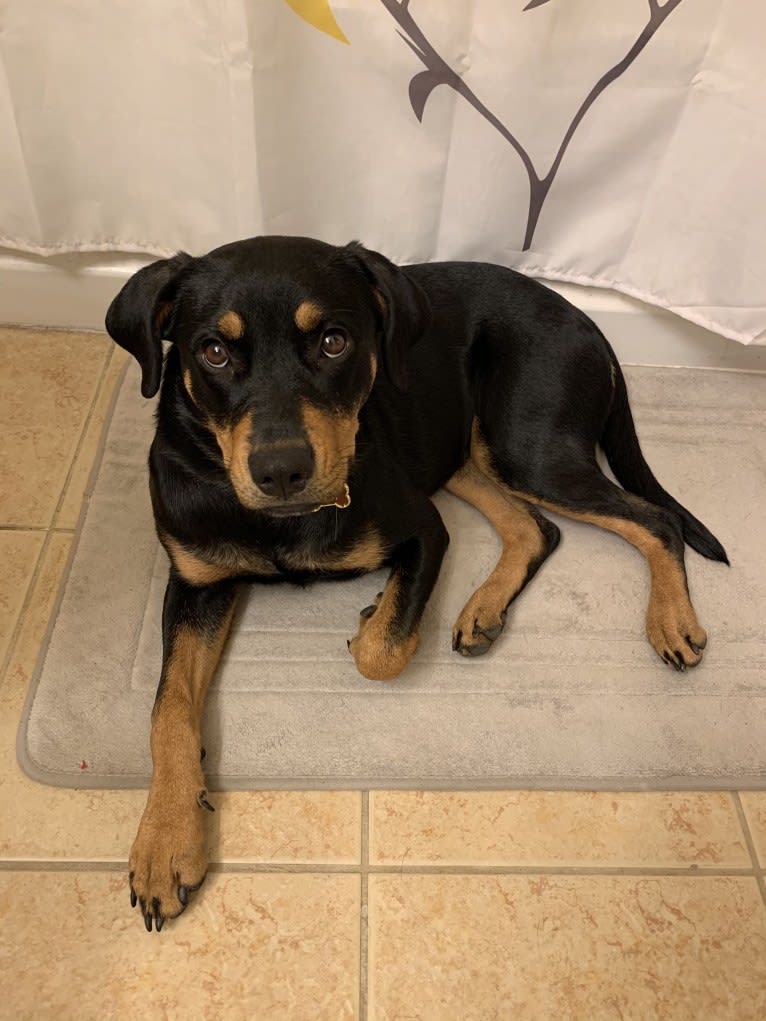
column 618, row 143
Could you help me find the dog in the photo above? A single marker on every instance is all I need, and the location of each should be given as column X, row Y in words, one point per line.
column 314, row 398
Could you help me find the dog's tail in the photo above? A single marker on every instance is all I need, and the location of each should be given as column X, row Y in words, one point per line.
column 623, row 452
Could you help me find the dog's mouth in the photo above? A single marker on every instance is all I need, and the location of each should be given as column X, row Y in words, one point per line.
column 294, row 510
column 291, row 510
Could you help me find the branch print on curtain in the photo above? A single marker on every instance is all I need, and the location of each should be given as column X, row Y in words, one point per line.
column 438, row 72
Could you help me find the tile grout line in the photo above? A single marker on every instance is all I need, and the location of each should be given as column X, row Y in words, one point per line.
column 364, row 916
column 49, row 528
column 260, row 868
column 27, row 601
column 691, row 871
column 745, row 825
column 83, row 433
column 24, row 528
column 36, row 528
column 223, row 868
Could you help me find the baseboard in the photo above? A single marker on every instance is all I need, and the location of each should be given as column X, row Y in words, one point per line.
column 74, row 291
column 62, row 292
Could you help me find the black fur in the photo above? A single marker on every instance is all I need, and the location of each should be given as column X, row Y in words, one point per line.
column 457, row 341
column 475, row 362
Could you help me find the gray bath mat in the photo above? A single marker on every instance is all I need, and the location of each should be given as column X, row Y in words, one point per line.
column 571, row 696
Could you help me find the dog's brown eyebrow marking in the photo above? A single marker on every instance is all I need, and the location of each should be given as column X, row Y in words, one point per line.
column 230, row 325
column 308, row 316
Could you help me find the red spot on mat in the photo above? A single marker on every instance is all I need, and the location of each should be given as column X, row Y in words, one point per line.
column 83, row 764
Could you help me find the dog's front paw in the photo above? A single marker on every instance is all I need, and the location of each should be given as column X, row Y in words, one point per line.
column 378, row 653
column 168, row 860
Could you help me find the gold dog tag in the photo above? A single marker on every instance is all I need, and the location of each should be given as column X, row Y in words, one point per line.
column 343, row 502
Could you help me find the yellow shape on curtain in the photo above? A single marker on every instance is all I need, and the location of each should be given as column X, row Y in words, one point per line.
column 319, row 14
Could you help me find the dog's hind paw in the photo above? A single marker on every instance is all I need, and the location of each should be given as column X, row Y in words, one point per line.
column 673, row 630
column 477, row 628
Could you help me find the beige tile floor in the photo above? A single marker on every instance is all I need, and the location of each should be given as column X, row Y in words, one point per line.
column 340, row 905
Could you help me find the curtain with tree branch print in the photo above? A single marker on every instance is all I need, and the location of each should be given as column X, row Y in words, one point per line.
column 616, row 143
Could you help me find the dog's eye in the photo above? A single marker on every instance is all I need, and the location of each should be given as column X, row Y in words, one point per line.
column 215, row 355
column 334, row 343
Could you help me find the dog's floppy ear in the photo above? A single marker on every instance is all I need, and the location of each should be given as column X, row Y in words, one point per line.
column 137, row 315
column 404, row 309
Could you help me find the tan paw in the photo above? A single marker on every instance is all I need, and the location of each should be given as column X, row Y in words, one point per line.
column 479, row 624
column 379, row 656
column 168, row 860
column 673, row 630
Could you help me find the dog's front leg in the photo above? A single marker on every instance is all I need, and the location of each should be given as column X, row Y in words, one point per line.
column 388, row 630
column 168, row 859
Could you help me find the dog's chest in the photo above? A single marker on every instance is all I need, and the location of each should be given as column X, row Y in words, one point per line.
column 229, row 560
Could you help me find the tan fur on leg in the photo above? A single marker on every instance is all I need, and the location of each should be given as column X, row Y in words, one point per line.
column 378, row 654
column 168, row 857
column 483, row 617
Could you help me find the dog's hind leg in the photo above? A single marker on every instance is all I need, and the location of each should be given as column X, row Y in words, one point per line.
column 571, row 483
column 528, row 538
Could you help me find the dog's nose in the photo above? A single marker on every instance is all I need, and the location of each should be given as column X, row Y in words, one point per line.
column 282, row 471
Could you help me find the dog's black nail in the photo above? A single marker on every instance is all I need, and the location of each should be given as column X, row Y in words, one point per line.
column 202, row 754
column 203, row 802
column 456, row 641
column 348, row 644
column 677, row 660
column 367, row 612
column 183, row 896
column 133, row 897
column 148, row 922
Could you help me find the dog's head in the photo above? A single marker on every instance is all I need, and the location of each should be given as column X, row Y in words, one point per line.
column 279, row 341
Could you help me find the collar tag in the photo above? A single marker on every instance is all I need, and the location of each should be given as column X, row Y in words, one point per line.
column 343, row 501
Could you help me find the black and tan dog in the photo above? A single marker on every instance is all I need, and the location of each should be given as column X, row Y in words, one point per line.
column 313, row 399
